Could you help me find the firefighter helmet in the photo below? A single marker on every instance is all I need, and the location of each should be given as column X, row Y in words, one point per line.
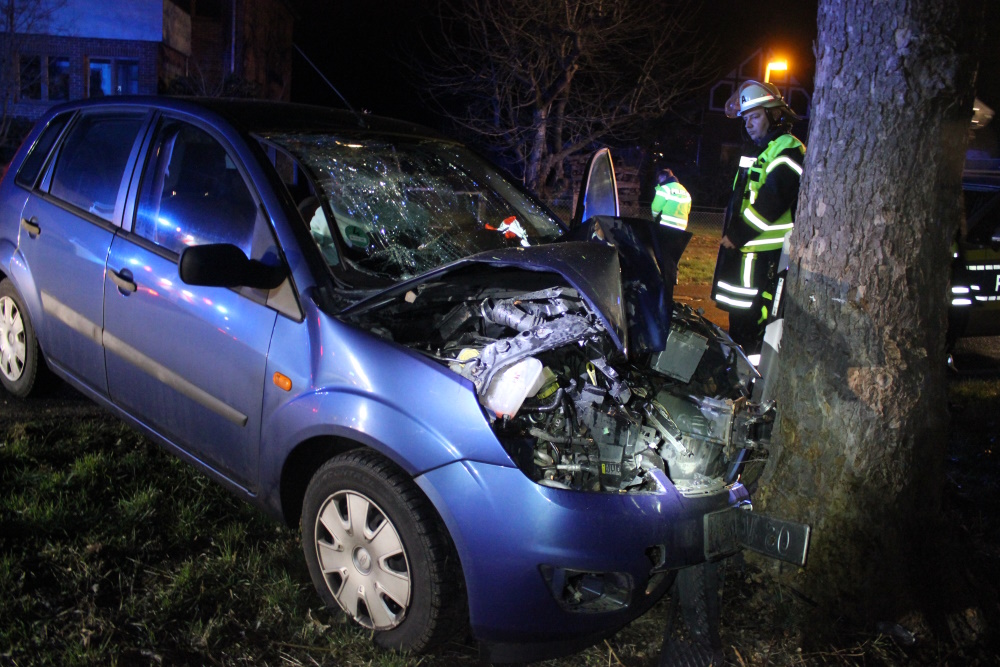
column 752, row 94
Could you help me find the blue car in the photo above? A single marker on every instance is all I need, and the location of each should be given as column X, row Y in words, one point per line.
column 478, row 415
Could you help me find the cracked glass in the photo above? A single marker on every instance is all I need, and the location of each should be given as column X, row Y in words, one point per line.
column 396, row 208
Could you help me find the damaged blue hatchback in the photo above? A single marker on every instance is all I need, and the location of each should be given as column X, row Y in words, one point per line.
column 477, row 414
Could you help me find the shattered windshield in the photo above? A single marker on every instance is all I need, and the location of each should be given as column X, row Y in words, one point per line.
column 396, row 208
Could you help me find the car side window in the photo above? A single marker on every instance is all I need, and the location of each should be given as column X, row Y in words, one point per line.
column 92, row 161
column 192, row 193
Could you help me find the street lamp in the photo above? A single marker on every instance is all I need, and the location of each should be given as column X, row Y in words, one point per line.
column 777, row 66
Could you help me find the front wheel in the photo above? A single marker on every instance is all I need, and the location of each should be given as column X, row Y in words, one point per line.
column 21, row 368
column 376, row 548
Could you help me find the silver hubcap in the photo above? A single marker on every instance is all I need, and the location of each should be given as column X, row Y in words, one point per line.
column 11, row 340
column 363, row 560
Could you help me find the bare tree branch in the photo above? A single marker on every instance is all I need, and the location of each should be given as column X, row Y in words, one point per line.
column 538, row 81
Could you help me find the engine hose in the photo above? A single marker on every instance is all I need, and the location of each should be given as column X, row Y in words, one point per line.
column 560, row 439
column 575, row 467
column 554, row 404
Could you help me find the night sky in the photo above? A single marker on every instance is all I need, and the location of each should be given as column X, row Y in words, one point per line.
column 362, row 47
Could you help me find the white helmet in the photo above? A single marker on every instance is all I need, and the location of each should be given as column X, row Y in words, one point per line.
column 753, row 94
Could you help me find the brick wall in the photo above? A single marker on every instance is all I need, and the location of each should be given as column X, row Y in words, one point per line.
column 80, row 51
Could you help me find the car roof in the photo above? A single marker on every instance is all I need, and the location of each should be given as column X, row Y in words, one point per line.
column 263, row 116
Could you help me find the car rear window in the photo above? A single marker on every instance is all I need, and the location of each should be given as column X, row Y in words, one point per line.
column 92, row 160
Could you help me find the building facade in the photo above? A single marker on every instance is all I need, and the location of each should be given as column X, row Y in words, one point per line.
column 61, row 50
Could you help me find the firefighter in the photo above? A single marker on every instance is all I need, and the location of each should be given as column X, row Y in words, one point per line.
column 761, row 212
column 671, row 201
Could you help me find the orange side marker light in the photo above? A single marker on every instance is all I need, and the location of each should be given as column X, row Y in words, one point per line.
column 282, row 382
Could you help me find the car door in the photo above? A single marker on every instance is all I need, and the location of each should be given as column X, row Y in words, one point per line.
column 187, row 360
column 598, row 190
column 67, row 225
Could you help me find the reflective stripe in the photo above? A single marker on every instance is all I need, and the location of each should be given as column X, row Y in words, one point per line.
column 672, row 221
column 784, row 160
column 747, row 277
column 747, row 161
column 761, row 224
column 772, row 244
column 959, row 290
column 763, row 98
column 684, row 199
column 737, row 303
column 748, row 291
column 961, row 302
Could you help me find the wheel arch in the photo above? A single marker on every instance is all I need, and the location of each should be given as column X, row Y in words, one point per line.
column 305, row 433
column 299, row 468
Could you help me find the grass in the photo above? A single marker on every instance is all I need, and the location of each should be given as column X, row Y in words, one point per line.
column 113, row 552
column 697, row 265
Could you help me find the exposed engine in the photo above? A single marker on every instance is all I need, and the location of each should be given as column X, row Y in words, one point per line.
column 574, row 413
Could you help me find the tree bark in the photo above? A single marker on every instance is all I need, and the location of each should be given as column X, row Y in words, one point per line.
column 862, row 423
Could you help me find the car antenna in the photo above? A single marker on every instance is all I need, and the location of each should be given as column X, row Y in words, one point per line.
column 361, row 119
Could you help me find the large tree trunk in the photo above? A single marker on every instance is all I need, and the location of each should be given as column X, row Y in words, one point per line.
column 863, row 415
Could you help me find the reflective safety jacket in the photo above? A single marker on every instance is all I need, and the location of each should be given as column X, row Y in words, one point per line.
column 769, row 198
column 770, row 186
column 672, row 204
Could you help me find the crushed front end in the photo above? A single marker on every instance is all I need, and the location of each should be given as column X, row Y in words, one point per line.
column 630, row 465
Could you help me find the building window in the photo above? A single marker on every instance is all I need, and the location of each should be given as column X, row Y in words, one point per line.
column 100, row 78
column 127, row 77
column 113, row 77
column 58, row 79
column 798, row 99
column 31, row 77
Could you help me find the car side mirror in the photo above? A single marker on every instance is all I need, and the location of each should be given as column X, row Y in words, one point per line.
column 225, row 265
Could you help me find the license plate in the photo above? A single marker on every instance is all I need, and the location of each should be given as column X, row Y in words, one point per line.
column 732, row 529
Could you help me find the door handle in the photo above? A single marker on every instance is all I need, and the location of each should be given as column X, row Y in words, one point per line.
column 124, row 281
column 31, row 226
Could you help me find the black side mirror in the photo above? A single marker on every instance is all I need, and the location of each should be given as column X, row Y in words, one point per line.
column 225, row 265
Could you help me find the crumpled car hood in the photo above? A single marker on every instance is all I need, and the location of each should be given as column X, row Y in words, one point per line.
column 591, row 268
column 624, row 269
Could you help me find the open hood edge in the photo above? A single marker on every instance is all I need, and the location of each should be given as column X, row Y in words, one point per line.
column 592, row 269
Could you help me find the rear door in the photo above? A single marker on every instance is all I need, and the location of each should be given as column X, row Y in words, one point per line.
column 189, row 360
column 67, row 225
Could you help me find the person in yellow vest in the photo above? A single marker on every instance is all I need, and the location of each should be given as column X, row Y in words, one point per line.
column 761, row 212
column 671, row 201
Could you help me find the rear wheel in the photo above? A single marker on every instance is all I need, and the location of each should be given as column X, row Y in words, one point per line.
column 21, row 368
column 376, row 549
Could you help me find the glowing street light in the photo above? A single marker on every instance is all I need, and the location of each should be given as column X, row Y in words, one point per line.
column 777, row 66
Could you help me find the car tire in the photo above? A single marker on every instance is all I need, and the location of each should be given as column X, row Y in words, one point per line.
column 376, row 549
column 22, row 370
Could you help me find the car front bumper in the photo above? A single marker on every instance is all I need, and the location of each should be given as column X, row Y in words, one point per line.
column 521, row 544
